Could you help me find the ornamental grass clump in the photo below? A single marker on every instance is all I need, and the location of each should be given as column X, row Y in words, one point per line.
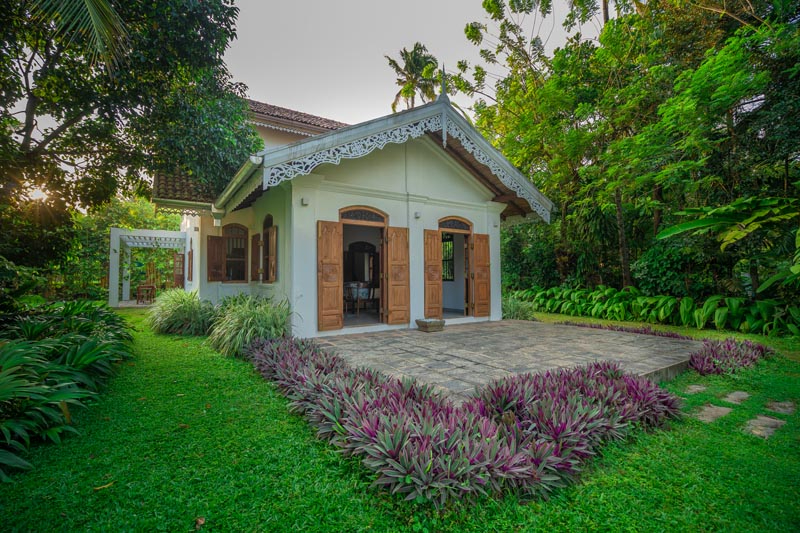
column 179, row 312
column 517, row 309
column 524, row 434
column 726, row 357
column 243, row 318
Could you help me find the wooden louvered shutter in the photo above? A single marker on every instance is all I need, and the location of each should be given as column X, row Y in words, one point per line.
column 190, row 265
column 398, row 291
column 177, row 269
column 255, row 257
column 216, row 258
column 481, row 282
column 329, row 276
column 271, row 263
column 433, row 274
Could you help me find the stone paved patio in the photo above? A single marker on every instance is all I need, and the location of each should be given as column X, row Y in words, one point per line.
column 466, row 356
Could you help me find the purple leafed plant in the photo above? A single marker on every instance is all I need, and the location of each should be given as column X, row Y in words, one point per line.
column 643, row 330
column 726, row 357
column 526, row 434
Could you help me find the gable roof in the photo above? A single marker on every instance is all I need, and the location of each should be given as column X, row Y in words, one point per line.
column 437, row 119
column 179, row 192
column 268, row 115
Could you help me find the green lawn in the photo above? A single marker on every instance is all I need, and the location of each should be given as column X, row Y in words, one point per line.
column 184, row 433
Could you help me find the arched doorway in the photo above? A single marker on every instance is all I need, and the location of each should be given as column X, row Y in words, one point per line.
column 378, row 280
column 457, row 282
column 363, row 232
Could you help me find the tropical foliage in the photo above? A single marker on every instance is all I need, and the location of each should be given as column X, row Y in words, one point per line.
column 80, row 135
column 675, row 110
column 84, row 270
column 52, row 359
column 767, row 317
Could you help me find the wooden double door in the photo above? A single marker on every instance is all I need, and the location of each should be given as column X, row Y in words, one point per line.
column 395, row 293
column 478, row 280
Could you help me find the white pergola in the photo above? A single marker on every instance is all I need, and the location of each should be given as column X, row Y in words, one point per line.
column 121, row 242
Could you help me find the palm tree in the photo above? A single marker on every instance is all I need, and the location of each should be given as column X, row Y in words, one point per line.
column 415, row 76
column 97, row 20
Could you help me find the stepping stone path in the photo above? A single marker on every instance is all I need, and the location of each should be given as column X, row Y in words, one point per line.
column 764, row 426
column 736, row 397
column 709, row 412
column 784, row 408
column 760, row 426
column 694, row 389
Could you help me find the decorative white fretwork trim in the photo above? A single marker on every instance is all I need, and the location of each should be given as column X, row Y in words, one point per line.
column 501, row 173
column 366, row 145
column 351, row 150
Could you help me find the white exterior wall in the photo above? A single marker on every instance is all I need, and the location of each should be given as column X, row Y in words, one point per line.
column 274, row 202
column 416, row 184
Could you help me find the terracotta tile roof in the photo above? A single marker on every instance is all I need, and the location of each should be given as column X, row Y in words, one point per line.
column 269, row 110
column 181, row 187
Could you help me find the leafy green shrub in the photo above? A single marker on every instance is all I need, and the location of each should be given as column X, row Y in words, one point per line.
column 767, row 317
column 180, row 312
column 516, row 309
column 51, row 359
column 242, row 319
column 15, row 282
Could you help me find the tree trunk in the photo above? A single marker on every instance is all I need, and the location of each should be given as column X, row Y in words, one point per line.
column 754, row 279
column 624, row 253
column 658, row 196
column 605, row 11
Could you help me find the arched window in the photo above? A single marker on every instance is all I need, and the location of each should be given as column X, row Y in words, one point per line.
column 227, row 255
column 270, row 249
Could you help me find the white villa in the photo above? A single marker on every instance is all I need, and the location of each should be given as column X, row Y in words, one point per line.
column 361, row 228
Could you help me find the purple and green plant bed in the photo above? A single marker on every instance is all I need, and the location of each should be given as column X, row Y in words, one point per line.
column 526, row 434
column 642, row 330
column 715, row 357
column 728, row 356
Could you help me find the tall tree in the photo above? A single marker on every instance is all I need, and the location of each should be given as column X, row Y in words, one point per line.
column 416, row 75
column 81, row 135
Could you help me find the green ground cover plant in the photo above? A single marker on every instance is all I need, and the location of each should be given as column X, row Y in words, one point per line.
column 184, row 433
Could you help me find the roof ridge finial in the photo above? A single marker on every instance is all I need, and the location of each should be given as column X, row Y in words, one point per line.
column 443, row 90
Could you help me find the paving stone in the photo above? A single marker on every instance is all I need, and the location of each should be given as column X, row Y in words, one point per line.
column 764, row 426
column 709, row 412
column 694, row 389
column 475, row 354
column 785, row 408
column 736, row 397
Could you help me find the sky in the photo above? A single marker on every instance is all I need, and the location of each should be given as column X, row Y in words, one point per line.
column 327, row 57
